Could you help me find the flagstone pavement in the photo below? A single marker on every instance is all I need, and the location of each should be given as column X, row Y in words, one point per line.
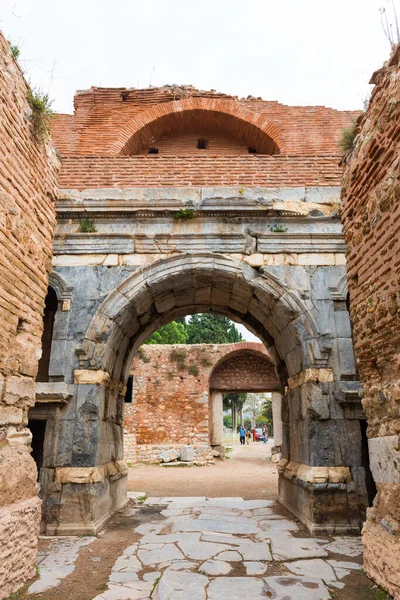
column 214, row 549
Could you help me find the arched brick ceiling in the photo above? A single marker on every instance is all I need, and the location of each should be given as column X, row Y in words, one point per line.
column 200, row 115
column 245, row 370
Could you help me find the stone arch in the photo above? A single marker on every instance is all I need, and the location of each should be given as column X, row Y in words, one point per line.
column 186, row 284
column 62, row 289
column 227, row 115
column 320, row 448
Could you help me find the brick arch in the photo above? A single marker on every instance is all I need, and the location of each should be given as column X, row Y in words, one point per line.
column 245, row 369
column 224, row 115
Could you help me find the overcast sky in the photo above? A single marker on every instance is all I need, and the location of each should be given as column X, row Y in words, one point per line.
column 294, row 51
column 298, row 52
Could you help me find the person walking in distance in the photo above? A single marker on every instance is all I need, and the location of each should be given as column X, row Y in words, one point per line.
column 242, row 435
column 248, row 437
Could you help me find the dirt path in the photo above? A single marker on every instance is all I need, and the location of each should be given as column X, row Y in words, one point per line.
column 248, row 473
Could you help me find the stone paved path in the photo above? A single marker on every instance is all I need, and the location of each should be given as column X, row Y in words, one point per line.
column 216, row 549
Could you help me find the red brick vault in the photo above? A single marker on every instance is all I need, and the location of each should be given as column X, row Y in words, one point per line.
column 174, row 394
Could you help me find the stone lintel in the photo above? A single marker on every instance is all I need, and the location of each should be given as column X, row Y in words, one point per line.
column 89, row 474
column 91, row 377
column 310, row 375
column 53, row 392
column 308, row 474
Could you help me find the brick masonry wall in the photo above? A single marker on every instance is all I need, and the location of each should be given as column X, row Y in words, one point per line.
column 156, row 170
column 371, row 218
column 171, row 392
column 105, row 116
column 27, row 193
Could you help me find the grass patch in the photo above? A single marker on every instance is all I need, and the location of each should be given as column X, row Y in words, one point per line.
column 346, row 142
column 179, row 358
column 42, row 114
column 142, row 355
column 193, row 370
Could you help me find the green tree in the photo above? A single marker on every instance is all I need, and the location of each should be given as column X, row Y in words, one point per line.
column 211, row 329
column 172, row 333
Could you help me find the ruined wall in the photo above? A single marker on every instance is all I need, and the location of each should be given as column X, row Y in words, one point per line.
column 103, row 115
column 371, row 217
column 170, row 400
column 27, row 193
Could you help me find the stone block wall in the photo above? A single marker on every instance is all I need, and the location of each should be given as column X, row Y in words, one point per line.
column 371, row 218
column 27, row 218
column 170, row 399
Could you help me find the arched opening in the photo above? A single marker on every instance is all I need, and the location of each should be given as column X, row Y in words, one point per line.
column 242, row 371
column 50, row 309
column 198, row 126
column 320, row 453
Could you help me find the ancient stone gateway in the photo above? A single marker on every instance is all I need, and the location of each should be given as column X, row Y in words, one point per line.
column 176, row 396
column 195, row 202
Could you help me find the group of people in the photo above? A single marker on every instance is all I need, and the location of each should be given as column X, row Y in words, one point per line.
column 246, row 436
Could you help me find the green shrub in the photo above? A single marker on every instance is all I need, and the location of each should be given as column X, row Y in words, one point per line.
column 15, row 51
column 87, row 226
column 277, row 228
column 184, row 214
column 42, row 113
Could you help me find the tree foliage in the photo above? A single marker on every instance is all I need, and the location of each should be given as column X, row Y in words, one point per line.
column 200, row 329
column 172, row 333
column 211, row 329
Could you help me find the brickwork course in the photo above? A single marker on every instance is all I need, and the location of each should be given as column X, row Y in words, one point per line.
column 371, row 218
column 171, row 398
column 27, row 218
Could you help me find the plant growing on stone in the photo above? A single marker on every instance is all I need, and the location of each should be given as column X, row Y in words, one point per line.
column 179, row 357
column 15, row 51
column 87, row 226
column 142, row 355
column 205, row 362
column 277, row 228
column 42, row 113
column 193, row 370
column 184, row 214
column 347, row 138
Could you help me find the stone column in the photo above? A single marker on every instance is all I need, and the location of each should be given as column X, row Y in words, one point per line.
column 277, row 420
column 216, row 422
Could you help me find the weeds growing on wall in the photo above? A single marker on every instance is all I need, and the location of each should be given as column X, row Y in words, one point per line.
column 42, row 113
column 277, row 228
column 184, row 214
column 179, row 357
column 347, row 138
column 142, row 355
column 15, row 51
column 87, row 226
column 193, row 370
